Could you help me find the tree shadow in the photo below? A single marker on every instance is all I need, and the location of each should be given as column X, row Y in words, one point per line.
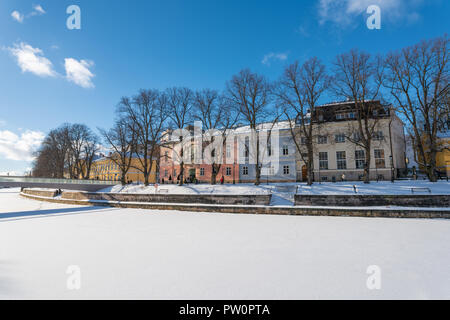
column 21, row 215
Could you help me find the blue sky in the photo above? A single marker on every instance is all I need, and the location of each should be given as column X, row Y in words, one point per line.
column 50, row 74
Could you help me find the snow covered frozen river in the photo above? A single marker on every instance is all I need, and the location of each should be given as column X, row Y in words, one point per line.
column 144, row 254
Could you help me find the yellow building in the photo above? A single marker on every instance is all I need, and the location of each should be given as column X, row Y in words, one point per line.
column 104, row 168
column 442, row 156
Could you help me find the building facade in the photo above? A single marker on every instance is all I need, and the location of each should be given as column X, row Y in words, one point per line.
column 337, row 154
column 104, row 168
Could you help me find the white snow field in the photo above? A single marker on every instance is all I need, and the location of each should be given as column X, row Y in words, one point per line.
column 147, row 254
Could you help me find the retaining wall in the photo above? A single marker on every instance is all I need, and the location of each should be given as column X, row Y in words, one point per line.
column 172, row 198
column 373, row 200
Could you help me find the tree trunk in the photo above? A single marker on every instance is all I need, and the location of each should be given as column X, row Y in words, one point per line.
column 123, row 177
column 367, row 167
column 258, row 167
column 431, row 172
column 214, row 174
column 310, row 163
column 181, row 173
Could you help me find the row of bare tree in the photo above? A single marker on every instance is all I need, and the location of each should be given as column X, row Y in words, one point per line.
column 415, row 79
column 67, row 151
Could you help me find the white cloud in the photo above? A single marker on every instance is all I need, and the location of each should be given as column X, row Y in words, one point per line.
column 343, row 12
column 38, row 9
column 273, row 56
column 78, row 72
column 20, row 148
column 32, row 60
column 16, row 15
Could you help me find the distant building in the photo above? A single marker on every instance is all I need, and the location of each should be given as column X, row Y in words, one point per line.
column 105, row 168
column 443, row 154
column 338, row 155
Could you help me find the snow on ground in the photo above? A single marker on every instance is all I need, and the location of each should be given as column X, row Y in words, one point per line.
column 192, row 189
column 150, row 254
column 382, row 187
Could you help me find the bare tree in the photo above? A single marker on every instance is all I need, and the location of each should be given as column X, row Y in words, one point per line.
column 146, row 114
column 251, row 94
column 69, row 148
column 180, row 102
column 51, row 157
column 299, row 91
column 357, row 77
column 418, row 78
column 83, row 146
column 123, row 141
column 217, row 118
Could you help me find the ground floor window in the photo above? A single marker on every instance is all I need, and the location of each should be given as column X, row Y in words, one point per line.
column 359, row 159
column 228, row 171
column 202, row 172
column 324, row 178
column 323, row 160
column 341, row 160
column 285, row 170
column 379, row 158
column 245, row 171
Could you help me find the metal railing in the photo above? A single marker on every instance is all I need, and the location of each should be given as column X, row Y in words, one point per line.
column 54, row 181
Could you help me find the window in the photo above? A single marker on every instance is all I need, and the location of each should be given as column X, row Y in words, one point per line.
column 375, row 112
column 166, row 173
column 286, row 170
column 166, row 156
column 322, row 139
column 228, row 171
column 360, row 159
column 341, row 160
column 356, row 137
column 303, row 140
column 228, row 151
column 351, row 115
column 378, row 135
column 271, row 171
column 323, row 160
column 175, row 173
column 340, row 116
column 245, row 171
column 339, row 138
column 321, row 117
column 324, row 179
column 379, row 158
column 285, row 150
column 192, row 153
column 202, row 172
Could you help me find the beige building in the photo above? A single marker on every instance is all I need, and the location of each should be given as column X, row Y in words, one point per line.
column 337, row 154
